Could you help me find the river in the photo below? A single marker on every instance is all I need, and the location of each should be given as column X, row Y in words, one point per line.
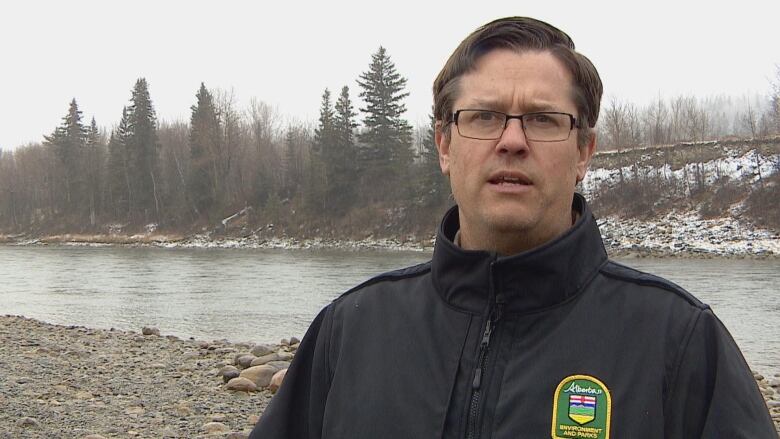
column 264, row 295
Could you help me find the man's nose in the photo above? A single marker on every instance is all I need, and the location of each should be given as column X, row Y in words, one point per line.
column 513, row 139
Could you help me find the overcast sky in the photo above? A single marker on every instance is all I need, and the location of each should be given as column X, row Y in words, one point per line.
column 285, row 53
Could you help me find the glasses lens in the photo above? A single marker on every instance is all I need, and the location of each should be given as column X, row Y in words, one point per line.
column 547, row 127
column 481, row 124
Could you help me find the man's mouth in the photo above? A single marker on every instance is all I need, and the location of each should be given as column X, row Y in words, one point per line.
column 505, row 180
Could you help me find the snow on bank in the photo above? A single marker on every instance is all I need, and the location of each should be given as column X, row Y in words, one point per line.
column 674, row 234
column 744, row 167
column 686, row 233
column 204, row 241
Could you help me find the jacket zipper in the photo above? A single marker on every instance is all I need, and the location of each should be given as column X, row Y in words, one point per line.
column 472, row 429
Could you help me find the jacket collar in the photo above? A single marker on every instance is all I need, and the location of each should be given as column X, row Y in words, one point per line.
column 526, row 282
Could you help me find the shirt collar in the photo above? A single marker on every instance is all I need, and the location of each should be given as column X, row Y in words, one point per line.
column 532, row 280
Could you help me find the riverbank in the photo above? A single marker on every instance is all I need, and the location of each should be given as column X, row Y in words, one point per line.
column 675, row 234
column 69, row 381
column 72, row 382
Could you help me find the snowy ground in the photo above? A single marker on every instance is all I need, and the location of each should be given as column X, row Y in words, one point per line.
column 737, row 165
column 687, row 234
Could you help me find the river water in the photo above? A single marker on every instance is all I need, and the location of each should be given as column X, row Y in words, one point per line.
column 265, row 295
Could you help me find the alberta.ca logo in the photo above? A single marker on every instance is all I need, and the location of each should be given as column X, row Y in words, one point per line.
column 582, row 407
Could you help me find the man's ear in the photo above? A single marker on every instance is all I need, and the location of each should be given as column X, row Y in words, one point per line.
column 586, row 154
column 443, row 146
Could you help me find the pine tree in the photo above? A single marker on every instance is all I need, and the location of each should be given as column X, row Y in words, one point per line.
column 143, row 155
column 340, row 160
column 321, row 173
column 324, row 134
column 204, row 150
column 68, row 141
column 387, row 140
column 118, row 172
column 433, row 188
column 94, row 165
column 344, row 120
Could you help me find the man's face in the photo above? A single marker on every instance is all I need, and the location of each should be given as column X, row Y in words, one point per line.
column 510, row 186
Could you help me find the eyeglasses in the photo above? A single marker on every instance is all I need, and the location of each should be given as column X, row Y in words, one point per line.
column 543, row 126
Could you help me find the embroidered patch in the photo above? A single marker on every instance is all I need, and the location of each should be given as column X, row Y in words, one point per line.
column 582, row 408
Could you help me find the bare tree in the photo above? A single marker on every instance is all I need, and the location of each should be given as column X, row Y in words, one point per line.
column 655, row 119
column 616, row 123
column 750, row 120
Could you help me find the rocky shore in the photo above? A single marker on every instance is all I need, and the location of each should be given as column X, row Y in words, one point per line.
column 76, row 382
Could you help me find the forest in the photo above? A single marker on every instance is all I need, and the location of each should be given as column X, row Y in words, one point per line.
column 352, row 173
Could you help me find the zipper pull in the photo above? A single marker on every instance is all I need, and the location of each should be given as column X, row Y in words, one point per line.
column 477, row 379
column 483, row 347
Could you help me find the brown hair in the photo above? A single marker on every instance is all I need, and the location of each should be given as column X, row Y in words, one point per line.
column 521, row 33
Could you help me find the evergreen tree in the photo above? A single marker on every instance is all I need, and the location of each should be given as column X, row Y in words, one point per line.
column 68, row 141
column 292, row 161
column 143, row 155
column 340, row 159
column 118, row 172
column 204, row 149
column 325, row 132
column 321, row 170
column 387, row 140
column 433, row 187
column 94, row 165
column 344, row 119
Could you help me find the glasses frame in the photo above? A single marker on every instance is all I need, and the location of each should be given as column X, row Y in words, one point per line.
column 507, row 117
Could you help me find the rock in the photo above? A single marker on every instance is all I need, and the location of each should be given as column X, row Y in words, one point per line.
column 294, row 340
column 83, row 395
column 284, row 342
column 774, row 382
column 259, row 375
column 241, row 384
column 252, row 419
column 93, row 436
column 225, row 369
column 294, row 347
column 183, row 409
column 230, row 374
column 135, row 410
column 237, row 435
column 279, row 365
column 217, row 417
column 259, row 361
column 245, row 361
column 147, row 330
column 261, row 349
column 284, row 356
column 276, row 380
column 28, row 423
column 768, row 391
column 758, row 376
column 215, row 428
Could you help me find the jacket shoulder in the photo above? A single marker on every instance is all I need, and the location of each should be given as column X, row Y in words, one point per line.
column 390, row 276
column 625, row 273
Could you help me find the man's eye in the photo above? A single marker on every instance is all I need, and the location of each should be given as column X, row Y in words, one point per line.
column 485, row 116
column 542, row 119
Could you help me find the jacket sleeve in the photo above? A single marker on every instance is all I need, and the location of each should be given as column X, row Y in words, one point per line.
column 296, row 411
column 714, row 394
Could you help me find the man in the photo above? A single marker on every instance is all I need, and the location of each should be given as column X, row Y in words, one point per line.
column 519, row 327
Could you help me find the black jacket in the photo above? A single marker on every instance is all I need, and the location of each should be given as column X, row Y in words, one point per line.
column 555, row 342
